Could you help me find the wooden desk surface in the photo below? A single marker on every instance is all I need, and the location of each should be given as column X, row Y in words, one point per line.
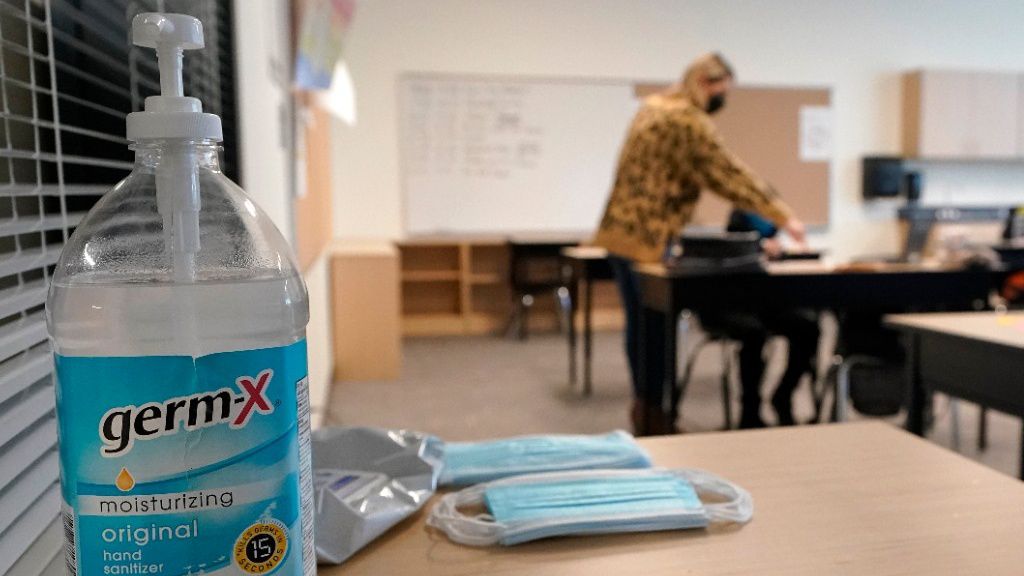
column 564, row 237
column 1005, row 328
column 452, row 239
column 585, row 253
column 808, row 267
column 863, row 498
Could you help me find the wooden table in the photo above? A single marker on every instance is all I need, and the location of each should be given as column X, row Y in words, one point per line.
column 875, row 288
column 976, row 356
column 585, row 265
column 863, row 498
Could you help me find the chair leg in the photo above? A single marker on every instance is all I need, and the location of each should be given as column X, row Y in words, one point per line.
column 818, row 391
column 514, row 317
column 983, row 429
column 691, row 359
column 680, row 386
column 525, row 303
column 727, row 360
column 954, row 423
column 565, row 308
column 827, row 383
column 842, row 391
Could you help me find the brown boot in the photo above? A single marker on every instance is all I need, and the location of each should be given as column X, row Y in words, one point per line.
column 651, row 420
column 660, row 423
column 638, row 416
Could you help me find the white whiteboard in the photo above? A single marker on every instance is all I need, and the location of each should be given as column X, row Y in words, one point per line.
column 484, row 154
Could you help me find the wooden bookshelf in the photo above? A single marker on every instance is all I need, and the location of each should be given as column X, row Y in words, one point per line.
column 459, row 285
column 431, row 275
column 485, row 279
column 453, row 285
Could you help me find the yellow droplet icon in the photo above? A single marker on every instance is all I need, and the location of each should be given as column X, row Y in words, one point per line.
column 125, row 481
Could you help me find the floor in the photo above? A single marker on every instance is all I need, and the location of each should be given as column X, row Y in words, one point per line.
column 468, row 388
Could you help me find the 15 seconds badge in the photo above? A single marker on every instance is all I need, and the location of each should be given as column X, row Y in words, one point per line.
column 262, row 547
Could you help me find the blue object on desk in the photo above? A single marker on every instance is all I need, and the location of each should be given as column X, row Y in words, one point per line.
column 743, row 221
column 472, row 462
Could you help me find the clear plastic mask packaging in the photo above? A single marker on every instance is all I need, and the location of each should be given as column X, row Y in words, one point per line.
column 365, row 481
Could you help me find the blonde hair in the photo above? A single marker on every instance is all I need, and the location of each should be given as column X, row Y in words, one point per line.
column 709, row 67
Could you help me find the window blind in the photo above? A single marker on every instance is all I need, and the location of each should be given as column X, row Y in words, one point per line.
column 68, row 78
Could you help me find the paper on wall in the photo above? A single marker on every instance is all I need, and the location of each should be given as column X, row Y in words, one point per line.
column 303, row 119
column 324, row 24
column 815, row 133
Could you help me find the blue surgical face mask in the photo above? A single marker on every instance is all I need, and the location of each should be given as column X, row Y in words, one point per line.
column 473, row 462
column 538, row 506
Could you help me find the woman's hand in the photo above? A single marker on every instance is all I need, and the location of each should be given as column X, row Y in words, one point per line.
column 771, row 247
column 796, row 230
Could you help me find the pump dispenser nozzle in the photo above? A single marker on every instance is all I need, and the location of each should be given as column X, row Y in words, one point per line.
column 171, row 114
column 170, row 35
column 178, row 123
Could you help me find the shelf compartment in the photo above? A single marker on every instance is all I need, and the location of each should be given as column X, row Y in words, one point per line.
column 431, row 298
column 486, row 279
column 433, row 324
column 430, row 276
column 432, row 258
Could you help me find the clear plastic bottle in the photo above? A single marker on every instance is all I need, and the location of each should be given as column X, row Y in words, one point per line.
column 115, row 290
column 177, row 318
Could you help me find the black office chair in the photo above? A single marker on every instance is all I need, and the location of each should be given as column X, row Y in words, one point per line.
column 877, row 386
column 736, row 250
column 874, row 386
column 867, row 370
column 535, row 269
column 729, row 348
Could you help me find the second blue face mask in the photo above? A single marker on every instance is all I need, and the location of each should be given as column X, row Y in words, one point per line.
column 473, row 462
column 525, row 508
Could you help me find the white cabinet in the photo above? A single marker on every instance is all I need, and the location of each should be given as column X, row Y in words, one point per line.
column 962, row 115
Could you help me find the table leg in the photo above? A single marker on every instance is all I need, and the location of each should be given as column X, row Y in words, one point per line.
column 982, row 428
column 671, row 364
column 1021, row 471
column 574, row 297
column 588, row 337
column 642, row 371
column 916, row 408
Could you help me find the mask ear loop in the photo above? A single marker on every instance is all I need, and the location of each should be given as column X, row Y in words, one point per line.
column 738, row 508
column 479, row 530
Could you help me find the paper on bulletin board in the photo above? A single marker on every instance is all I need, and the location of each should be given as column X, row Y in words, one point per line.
column 816, row 133
column 324, row 24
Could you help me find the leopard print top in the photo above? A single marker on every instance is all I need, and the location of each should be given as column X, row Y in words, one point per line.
column 672, row 152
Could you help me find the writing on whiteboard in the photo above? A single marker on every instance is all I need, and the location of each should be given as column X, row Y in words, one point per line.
column 473, row 130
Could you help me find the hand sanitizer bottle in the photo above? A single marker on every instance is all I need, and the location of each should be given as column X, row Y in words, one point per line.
column 177, row 320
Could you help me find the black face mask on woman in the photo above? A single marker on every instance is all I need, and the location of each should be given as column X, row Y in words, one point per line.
column 715, row 103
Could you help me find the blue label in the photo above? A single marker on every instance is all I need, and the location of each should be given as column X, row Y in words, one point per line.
column 177, row 466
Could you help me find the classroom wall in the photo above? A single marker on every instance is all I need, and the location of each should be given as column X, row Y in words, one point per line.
column 858, row 48
column 262, row 53
column 264, row 90
column 318, row 337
